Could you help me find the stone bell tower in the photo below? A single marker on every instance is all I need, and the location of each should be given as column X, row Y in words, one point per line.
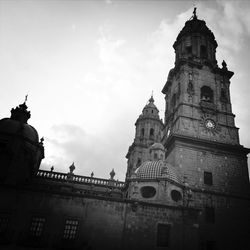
column 148, row 131
column 200, row 133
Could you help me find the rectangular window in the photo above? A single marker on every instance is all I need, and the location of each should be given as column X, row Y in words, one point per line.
column 208, row 178
column 189, row 49
column 163, row 233
column 4, row 222
column 210, row 245
column 37, row 225
column 210, row 214
column 70, row 229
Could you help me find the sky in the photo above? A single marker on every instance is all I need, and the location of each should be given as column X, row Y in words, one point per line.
column 89, row 68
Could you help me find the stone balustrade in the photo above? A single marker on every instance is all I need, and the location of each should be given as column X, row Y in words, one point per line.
column 57, row 176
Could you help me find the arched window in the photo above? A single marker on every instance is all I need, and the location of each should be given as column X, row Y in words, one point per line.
column 188, row 45
column 207, row 94
column 151, row 132
column 138, row 162
column 189, row 49
column 142, row 132
column 148, row 192
column 155, row 156
column 203, row 51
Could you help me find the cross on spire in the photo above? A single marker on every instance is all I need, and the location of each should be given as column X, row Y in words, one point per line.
column 26, row 98
column 194, row 13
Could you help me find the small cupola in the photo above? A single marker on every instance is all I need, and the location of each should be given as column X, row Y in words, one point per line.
column 195, row 42
column 20, row 113
column 150, row 110
column 148, row 125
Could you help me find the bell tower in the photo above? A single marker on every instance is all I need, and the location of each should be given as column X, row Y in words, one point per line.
column 200, row 133
column 148, row 130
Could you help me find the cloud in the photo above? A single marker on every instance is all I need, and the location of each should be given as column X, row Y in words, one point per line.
column 109, row 48
column 114, row 93
column 108, row 2
column 70, row 143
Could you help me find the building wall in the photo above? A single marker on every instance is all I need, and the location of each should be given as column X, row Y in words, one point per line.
column 104, row 223
column 229, row 171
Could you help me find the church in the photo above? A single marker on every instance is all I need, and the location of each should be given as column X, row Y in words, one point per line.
column 187, row 182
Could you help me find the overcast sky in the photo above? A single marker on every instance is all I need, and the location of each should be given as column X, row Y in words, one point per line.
column 89, row 67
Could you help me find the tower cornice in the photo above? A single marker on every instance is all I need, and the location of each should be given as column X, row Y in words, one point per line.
column 214, row 146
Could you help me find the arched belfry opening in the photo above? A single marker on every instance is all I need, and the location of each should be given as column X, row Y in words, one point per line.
column 207, row 94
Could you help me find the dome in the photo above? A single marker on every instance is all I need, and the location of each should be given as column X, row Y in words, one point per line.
column 9, row 126
column 155, row 170
column 17, row 124
column 157, row 146
column 195, row 26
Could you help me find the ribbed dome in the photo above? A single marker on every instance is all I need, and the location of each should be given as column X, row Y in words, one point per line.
column 10, row 126
column 155, row 170
column 196, row 26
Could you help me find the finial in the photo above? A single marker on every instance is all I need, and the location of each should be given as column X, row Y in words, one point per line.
column 194, row 12
column 92, row 174
column 194, row 16
column 151, row 98
column 224, row 65
column 42, row 140
column 52, row 169
column 112, row 174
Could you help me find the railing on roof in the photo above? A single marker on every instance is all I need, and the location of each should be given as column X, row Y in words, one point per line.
column 57, row 176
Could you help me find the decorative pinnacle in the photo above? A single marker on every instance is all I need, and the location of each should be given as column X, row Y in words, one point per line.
column 41, row 141
column 72, row 168
column 224, row 65
column 151, row 100
column 112, row 174
column 194, row 13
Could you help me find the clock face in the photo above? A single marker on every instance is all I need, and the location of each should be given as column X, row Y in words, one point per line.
column 210, row 124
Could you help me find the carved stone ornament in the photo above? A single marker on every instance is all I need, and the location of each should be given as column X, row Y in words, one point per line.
column 190, row 89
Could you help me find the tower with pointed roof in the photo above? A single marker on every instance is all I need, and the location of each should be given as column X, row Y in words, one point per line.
column 148, row 130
